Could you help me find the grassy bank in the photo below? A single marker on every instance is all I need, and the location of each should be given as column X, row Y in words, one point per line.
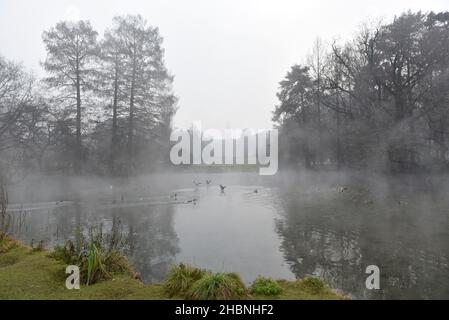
column 27, row 273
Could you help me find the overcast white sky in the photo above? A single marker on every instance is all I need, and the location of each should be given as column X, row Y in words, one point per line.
column 227, row 55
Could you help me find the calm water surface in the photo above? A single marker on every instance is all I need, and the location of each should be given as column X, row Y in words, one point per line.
column 276, row 228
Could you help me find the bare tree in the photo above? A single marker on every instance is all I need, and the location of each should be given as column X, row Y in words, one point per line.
column 71, row 52
column 146, row 80
column 15, row 96
column 317, row 65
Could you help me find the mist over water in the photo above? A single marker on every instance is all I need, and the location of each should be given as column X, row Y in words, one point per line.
column 124, row 145
column 331, row 225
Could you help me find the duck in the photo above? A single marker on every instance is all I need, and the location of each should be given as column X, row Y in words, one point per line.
column 192, row 201
column 343, row 189
column 222, row 188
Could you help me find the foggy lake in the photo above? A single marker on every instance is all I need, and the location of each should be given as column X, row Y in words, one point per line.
column 332, row 225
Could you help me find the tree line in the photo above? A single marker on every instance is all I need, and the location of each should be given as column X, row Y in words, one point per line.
column 379, row 101
column 105, row 105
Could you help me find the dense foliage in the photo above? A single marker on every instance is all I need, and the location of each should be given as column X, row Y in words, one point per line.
column 380, row 101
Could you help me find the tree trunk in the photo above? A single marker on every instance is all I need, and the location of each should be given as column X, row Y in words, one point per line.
column 339, row 151
column 114, row 141
column 320, row 130
column 131, row 111
column 78, row 121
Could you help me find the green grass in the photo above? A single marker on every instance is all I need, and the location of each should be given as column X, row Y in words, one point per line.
column 29, row 274
column 181, row 278
column 265, row 287
column 303, row 289
column 218, row 286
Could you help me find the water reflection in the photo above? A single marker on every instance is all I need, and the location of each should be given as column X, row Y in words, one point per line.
column 149, row 230
column 336, row 237
column 231, row 231
column 284, row 230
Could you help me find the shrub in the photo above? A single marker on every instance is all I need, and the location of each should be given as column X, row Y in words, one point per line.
column 6, row 243
column 96, row 260
column 181, row 278
column 266, row 287
column 312, row 285
column 218, row 286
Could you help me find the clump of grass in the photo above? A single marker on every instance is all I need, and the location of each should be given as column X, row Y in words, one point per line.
column 197, row 284
column 96, row 262
column 266, row 287
column 312, row 285
column 6, row 243
column 181, row 278
column 100, row 264
column 66, row 253
column 218, row 286
column 98, row 258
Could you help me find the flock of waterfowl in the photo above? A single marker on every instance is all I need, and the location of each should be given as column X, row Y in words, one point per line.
column 197, row 184
column 177, row 198
column 209, row 182
column 342, row 189
column 174, row 196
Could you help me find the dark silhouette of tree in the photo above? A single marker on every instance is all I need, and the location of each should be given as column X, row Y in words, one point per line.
column 71, row 52
column 381, row 99
column 139, row 87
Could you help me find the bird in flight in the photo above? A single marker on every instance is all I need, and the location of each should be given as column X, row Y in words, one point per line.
column 197, row 184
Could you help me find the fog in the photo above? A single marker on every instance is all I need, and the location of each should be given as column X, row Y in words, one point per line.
column 353, row 173
column 227, row 56
column 298, row 223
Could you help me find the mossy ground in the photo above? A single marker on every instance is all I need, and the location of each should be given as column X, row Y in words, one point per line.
column 302, row 290
column 30, row 274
